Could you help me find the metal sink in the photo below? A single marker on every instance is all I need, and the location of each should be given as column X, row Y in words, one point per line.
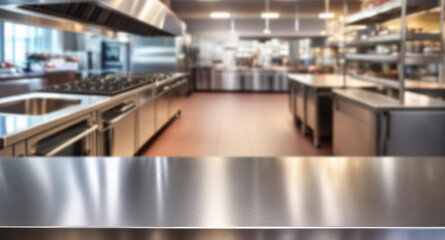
column 37, row 106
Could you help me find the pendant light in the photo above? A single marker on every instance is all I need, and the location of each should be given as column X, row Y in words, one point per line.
column 267, row 27
column 297, row 21
column 326, row 14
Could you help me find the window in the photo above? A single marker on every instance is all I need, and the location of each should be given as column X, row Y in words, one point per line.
column 20, row 39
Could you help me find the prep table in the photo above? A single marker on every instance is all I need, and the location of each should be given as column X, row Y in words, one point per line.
column 222, row 198
column 310, row 98
column 371, row 124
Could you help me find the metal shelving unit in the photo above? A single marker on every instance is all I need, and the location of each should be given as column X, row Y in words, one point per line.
column 390, row 11
column 409, row 59
column 393, row 38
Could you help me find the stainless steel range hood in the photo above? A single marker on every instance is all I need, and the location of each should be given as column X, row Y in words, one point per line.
column 107, row 17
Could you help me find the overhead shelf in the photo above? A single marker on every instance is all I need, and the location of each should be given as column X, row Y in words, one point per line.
column 389, row 11
column 372, row 58
column 381, row 81
column 409, row 59
column 393, row 38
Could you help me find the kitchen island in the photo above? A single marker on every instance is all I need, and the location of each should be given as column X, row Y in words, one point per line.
column 222, row 198
column 310, row 98
column 367, row 123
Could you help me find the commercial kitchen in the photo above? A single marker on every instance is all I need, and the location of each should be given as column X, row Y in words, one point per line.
column 222, row 119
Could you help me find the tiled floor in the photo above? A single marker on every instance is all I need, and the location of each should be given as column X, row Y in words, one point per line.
column 232, row 124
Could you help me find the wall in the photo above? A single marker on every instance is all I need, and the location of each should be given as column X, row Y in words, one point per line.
column 153, row 54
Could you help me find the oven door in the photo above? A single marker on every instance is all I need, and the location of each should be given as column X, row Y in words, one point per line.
column 118, row 130
column 75, row 138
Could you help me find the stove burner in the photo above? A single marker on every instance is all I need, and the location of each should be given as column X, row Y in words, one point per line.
column 109, row 84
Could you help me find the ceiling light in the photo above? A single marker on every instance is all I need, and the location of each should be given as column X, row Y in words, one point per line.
column 220, row 15
column 326, row 15
column 270, row 15
column 267, row 31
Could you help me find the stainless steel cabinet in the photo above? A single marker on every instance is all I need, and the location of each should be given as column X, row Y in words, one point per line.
column 146, row 116
column 178, row 95
column 162, row 106
column 175, row 98
column 202, row 78
column 258, row 81
column 413, row 133
column 280, row 82
column 300, row 106
column 7, row 152
column 118, row 131
column 354, row 129
column 226, row 80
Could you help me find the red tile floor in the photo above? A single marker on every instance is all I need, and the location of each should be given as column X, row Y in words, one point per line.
column 234, row 124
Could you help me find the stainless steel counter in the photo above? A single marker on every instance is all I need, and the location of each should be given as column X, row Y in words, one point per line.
column 241, row 79
column 336, row 81
column 379, row 101
column 16, row 127
column 245, row 198
column 327, row 80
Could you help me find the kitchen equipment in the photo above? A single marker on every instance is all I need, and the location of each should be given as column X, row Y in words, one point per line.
column 108, row 85
column 146, row 118
column 106, row 17
column 162, row 105
column 75, row 138
column 37, row 106
column 118, row 129
column 178, row 94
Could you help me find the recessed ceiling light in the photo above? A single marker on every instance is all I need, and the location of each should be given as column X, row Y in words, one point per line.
column 270, row 15
column 220, row 15
column 326, row 15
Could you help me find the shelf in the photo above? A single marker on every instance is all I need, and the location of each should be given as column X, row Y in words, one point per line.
column 409, row 59
column 393, row 38
column 381, row 81
column 372, row 58
column 389, row 11
column 419, row 60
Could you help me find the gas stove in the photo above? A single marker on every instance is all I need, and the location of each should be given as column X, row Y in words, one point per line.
column 109, row 84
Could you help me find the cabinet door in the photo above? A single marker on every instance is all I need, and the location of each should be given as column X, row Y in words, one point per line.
column 146, row 122
column 354, row 129
column 161, row 110
column 123, row 136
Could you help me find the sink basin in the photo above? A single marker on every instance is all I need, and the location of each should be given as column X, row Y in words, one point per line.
column 37, row 106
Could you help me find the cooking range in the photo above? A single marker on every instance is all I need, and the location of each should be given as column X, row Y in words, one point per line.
column 109, row 84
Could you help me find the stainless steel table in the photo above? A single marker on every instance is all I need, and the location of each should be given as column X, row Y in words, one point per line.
column 222, row 198
column 311, row 98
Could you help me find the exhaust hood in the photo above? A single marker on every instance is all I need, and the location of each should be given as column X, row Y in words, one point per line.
column 106, row 17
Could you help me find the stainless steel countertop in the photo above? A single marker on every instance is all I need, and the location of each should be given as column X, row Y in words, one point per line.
column 223, row 193
column 328, row 81
column 336, row 81
column 15, row 127
column 413, row 101
column 252, row 69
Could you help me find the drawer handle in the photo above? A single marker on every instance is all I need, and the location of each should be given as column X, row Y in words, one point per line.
column 68, row 142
